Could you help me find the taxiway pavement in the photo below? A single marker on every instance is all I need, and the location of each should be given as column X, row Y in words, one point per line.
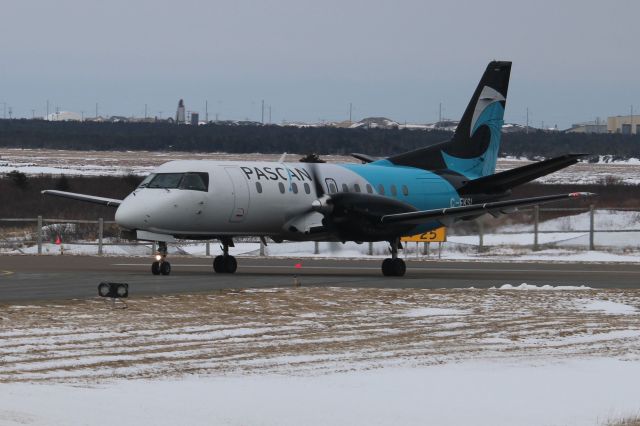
column 33, row 278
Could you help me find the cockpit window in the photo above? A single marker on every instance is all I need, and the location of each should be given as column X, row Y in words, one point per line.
column 193, row 181
column 146, row 181
column 166, row 180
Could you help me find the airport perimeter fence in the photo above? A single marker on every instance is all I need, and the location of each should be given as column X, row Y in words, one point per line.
column 620, row 230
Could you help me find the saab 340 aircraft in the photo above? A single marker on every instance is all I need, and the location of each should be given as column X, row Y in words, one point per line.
column 379, row 200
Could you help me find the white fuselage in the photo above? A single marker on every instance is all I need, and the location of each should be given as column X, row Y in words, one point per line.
column 253, row 198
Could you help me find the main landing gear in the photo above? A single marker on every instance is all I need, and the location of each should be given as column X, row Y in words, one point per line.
column 394, row 266
column 225, row 264
column 161, row 266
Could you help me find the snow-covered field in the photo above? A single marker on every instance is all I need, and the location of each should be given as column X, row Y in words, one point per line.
column 515, row 355
column 115, row 163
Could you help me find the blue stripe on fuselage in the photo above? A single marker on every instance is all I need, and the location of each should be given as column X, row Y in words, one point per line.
column 427, row 190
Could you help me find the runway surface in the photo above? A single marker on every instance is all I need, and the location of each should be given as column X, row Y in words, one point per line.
column 33, row 278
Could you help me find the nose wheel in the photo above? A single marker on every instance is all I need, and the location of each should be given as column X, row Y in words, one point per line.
column 161, row 266
column 225, row 264
column 394, row 266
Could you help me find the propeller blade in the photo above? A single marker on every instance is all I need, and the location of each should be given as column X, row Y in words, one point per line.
column 317, row 184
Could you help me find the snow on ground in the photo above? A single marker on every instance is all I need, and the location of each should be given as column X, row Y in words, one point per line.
column 561, row 239
column 317, row 356
column 304, row 250
column 585, row 392
column 610, row 307
column 525, row 286
column 117, row 163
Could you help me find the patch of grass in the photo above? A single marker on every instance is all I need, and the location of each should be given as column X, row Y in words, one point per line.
column 630, row 421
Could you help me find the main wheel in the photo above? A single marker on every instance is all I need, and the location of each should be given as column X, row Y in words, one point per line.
column 155, row 268
column 219, row 264
column 398, row 267
column 165, row 268
column 230, row 264
column 386, row 267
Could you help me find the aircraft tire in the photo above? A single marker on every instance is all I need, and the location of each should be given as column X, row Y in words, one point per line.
column 155, row 268
column 230, row 264
column 398, row 267
column 386, row 267
column 219, row 264
column 165, row 268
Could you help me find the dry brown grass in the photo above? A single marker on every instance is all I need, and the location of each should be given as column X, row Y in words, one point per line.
column 631, row 421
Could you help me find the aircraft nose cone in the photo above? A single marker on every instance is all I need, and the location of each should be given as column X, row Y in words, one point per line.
column 127, row 217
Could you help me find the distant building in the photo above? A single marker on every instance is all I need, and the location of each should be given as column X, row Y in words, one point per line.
column 375, row 123
column 195, row 118
column 589, row 127
column 180, row 113
column 64, row 116
column 625, row 124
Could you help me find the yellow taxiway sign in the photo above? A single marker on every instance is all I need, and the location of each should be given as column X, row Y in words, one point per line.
column 438, row 235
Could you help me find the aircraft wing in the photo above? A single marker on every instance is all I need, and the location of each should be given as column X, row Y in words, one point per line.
column 507, row 206
column 111, row 202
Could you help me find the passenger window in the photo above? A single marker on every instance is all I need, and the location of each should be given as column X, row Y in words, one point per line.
column 369, row 189
column 394, row 191
column 259, row 187
column 345, row 188
column 356, row 187
column 405, row 190
column 307, row 189
column 281, row 187
column 194, row 182
column 294, row 187
column 381, row 189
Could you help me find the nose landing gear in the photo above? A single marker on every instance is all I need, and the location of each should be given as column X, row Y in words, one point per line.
column 225, row 264
column 161, row 266
column 394, row 266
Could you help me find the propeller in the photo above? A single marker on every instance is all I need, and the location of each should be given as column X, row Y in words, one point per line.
column 351, row 215
column 322, row 203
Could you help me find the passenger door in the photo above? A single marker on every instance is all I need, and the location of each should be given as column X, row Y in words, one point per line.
column 240, row 193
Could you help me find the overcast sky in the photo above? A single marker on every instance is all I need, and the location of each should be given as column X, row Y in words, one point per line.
column 574, row 60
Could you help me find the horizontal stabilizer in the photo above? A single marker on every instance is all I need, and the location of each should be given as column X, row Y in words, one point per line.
column 508, row 206
column 503, row 181
column 111, row 202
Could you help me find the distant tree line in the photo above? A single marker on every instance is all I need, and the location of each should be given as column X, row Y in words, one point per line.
column 278, row 139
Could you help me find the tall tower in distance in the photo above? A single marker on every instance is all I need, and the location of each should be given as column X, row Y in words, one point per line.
column 180, row 114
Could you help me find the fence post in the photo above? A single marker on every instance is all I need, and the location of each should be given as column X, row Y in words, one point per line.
column 370, row 252
column 536, row 222
column 39, row 235
column 591, row 227
column 207, row 249
column 261, row 248
column 480, row 236
column 316, row 247
column 100, row 235
column 153, row 249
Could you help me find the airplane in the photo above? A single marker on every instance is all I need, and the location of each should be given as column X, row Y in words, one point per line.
column 376, row 200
